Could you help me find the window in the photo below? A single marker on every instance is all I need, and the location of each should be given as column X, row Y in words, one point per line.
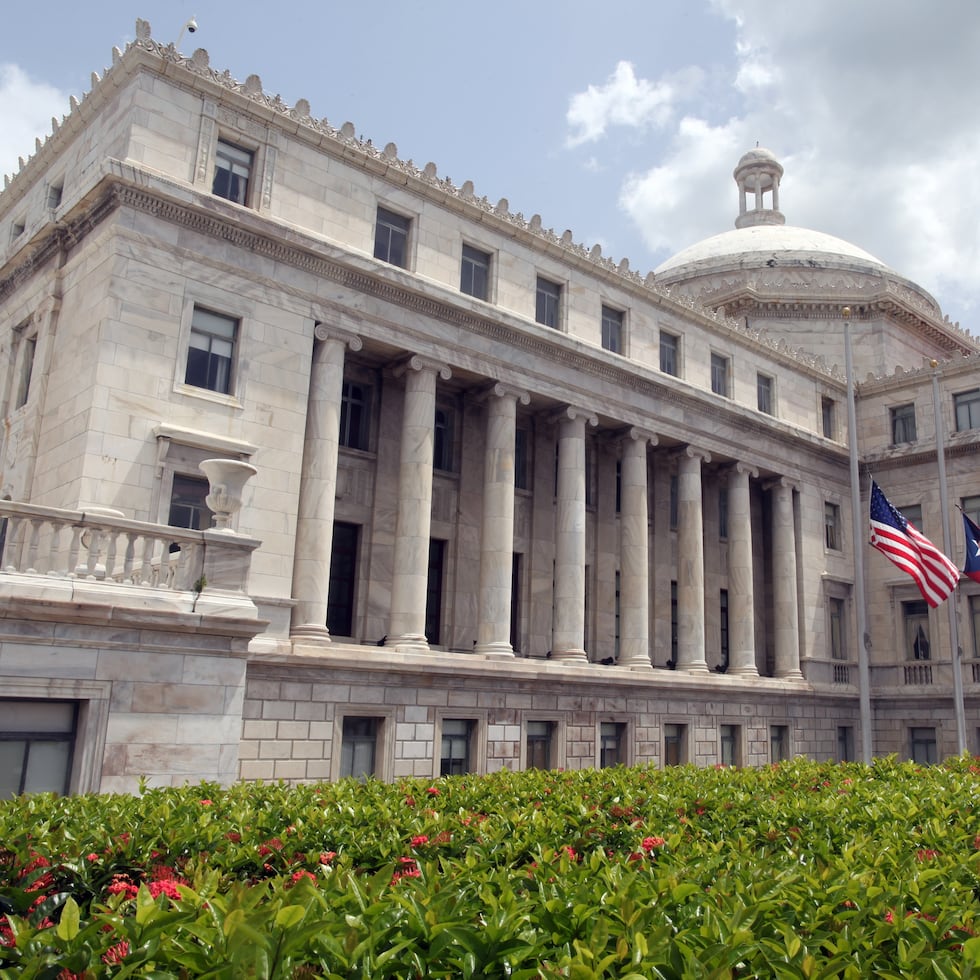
column 971, row 507
column 612, row 330
column 474, row 273
column 612, row 744
column 433, row 590
column 915, row 620
column 967, row 407
column 17, row 229
column 723, row 629
column 36, row 743
column 673, row 625
column 831, row 526
column 975, row 619
column 457, row 735
column 674, row 505
column 845, row 743
column 391, row 238
column 547, row 308
column 539, row 744
column 516, row 576
column 359, row 747
column 923, row 746
column 729, row 738
column 28, row 353
column 188, row 503
column 828, row 417
column 211, row 351
column 355, row 415
column 522, row 461
column 617, row 613
column 719, row 374
column 837, row 631
column 763, row 386
column 913, row 514
column 343, row 579
column 669, row 349
column 443, row 439
column 778, row 743
column 723, row 512
column 675, row 744
column 903, row 423
column 55, row 194
column 232, row 172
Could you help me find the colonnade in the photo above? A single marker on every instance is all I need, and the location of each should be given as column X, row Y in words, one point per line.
column 406, row 632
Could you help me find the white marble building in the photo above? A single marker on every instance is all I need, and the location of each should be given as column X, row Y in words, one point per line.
column 509, row 503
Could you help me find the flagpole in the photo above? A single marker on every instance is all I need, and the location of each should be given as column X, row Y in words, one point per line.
column 864, row 672
column 954, row 630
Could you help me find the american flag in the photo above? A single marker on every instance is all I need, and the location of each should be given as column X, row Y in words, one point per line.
column 934, row 574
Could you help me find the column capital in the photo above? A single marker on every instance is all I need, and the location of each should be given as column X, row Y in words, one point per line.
column 418, row 362
column 781, row 483
column 691, row 452
column 326, row 331
column 569, row 413
column 636, row 433
column 746, row 469
column 500, row 389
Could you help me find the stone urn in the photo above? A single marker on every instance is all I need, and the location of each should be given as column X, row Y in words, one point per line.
column 227, row 478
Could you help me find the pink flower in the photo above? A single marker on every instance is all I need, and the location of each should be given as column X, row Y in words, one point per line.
column 327, row 856
column 164, row 887
column 92, row 857
column 298, row 876
column 649, row 843
column 419, row 840
column 433, row 791
column 117, row 953
column 409, row 801
column 207, row 803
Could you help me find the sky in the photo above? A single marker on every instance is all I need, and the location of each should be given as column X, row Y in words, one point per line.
column 621, row 121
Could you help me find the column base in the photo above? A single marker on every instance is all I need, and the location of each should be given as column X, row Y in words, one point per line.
column 495, row 650
column 698, row 668
column 311, row 633
column 570, row 657
column 638, row 664
column 790, row 675
column 743, row 671
column 409, row 643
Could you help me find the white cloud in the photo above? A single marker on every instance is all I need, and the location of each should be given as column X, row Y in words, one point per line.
column 28, row 108
column 625, row 100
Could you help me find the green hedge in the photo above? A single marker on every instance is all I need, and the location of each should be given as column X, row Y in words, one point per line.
column 796, row 870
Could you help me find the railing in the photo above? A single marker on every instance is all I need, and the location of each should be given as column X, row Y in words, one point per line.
column 59, row 543
column 842, row 673
column 918, row 674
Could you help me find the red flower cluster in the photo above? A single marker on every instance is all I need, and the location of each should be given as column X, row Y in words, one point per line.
column 117, row 953
column 408, row 869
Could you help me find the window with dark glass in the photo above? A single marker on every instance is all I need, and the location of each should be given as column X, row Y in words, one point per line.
column 778, row 743
column 28, row 353
column 538, row 737
column 474, row 273
column 612, row 744
column 188, row 503
column 343, row 579
column 457, row 737
column 674, row 502
column 211, row 351
column 838, row 633
column 548, row 304
column 923, row 748
column 723, row 629
column 915, row 618
column 36, row 743
column 723, row 512
column 669, row 345
column 903, row 423
column 433, row 590
column 832, row 526
column 975, row 620
column 516, row 579
column 612, row 329
column 970, row 505
column 763, row 385
column 967, row 408
column 828, row 417
column 232, row 172
column 719, row 374
column 355, row 415
column 673, row 624
column 522, row 459
column 845, row 743
column 443, row 439
column 729, row 739
column 359, row 746
column 675, row 744
column 391, row 238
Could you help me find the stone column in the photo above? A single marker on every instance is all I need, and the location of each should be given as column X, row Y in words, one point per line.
column 740, row 580
column 786, row 613
column 634, row 567
column 568, row 629
column 497, row 536
column 318, row 485
column 690, row 562
column 414, row 516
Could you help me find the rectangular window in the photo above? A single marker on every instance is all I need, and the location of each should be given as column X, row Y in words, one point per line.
column 838, row 633
column 669, row 349
column 828, row 417
column 457, row 736
column 764, row 386
column 723, row 629
column 443, row 439
column 970, row 505
column 723, row 512
column 539, row 737
column 522, row 459
column 915, row 619
column 778, row 743
column 845, row 743
column 674, row 502
column 967, row 407
column 729, row 738
column 612, row 744
column 55, row 194
column 903, row 424
column 36, row 743
column 359, row 747
column 211, row 351
column 612, row 329
column 433, row 590
column 923, row 749
column 547, row 308
column 719, row 374
column 831, row 526
column 28, row 353
column 355, row 415
column 474, row 273
column 912, row 513
column 675, row 744
column 343, row 579
column 975, row 619
column 617, row 612
column 188, row 503
column 232, row 172
column 515, row 601
column 673, row 625
column 391, row 238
